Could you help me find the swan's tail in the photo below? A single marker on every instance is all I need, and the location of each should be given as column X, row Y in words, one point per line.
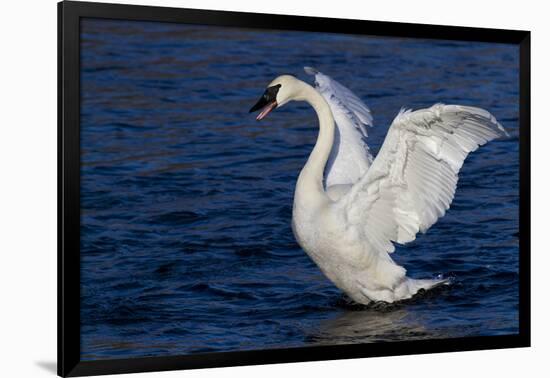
column 405, row 290
column 415, row 285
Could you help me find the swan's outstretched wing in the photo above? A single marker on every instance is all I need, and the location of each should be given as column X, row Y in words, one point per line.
column 350, row 158
column 413, row 179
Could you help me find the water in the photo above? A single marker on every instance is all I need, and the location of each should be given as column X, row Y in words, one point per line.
column 186, row 245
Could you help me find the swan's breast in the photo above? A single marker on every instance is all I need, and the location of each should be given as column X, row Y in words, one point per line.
column 335, row 192
column 323, row 235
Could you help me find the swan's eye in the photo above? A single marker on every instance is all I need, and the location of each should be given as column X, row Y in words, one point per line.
column 267, row 102
column 271, row 92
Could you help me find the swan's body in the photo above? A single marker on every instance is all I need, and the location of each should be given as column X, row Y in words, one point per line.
column 349, row 209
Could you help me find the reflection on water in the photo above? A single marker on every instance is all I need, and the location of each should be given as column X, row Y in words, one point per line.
column 186, row 200
column 370, row 326
column 383, row 322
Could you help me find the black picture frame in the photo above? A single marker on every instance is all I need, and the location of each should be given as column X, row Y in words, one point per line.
column 69, row 15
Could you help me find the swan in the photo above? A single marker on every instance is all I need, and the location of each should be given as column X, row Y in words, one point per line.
column 349, row 208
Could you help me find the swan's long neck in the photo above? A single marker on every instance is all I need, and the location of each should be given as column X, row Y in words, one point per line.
column 310, row 181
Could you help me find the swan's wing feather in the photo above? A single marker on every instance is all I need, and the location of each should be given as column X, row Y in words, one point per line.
column 325, row 84
column 412, row 181
column 350, row 157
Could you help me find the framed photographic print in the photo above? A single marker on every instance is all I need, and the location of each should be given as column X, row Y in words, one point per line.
column 240, row 188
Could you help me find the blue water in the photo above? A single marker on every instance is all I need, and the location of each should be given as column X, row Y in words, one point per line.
column 186, row 244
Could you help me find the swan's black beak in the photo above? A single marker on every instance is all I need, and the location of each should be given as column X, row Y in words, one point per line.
column 267, row 102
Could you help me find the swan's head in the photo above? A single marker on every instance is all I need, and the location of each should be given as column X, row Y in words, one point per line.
column 280, row 91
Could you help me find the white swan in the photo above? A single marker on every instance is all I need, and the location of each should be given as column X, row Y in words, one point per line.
column 348, row 223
